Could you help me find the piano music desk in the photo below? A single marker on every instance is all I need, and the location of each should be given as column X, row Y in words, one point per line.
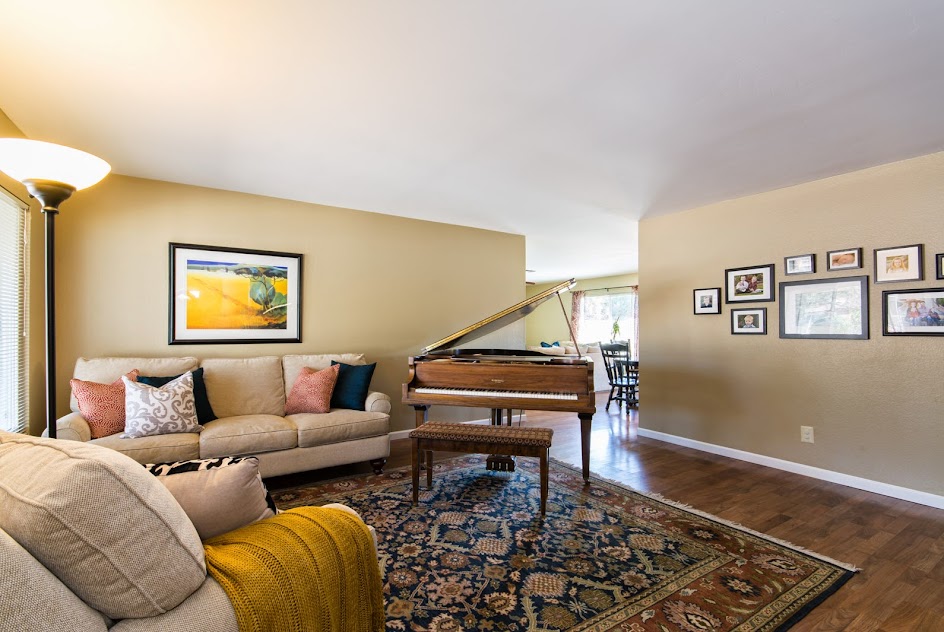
column 474, row 439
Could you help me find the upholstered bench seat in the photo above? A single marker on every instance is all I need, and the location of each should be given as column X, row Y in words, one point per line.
column 477, row 439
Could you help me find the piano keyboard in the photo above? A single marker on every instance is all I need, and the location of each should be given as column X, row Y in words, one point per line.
column 477, row 392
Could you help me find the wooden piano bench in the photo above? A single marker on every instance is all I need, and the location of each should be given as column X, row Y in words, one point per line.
column 476, row 439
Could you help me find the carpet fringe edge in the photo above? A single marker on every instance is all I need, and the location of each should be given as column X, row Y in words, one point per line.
column 704, row 514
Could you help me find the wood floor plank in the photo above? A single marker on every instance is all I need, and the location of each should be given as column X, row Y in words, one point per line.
column 898, row 544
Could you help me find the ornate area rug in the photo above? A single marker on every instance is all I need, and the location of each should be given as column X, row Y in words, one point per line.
column 475, row 555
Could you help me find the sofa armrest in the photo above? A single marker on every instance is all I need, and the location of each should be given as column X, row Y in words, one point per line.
column 72, row 427
column 377, row 403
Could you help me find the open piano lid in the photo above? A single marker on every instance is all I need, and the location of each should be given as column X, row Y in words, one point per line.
column 499, row 320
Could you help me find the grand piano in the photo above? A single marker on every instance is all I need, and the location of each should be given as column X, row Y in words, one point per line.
column 503, row 379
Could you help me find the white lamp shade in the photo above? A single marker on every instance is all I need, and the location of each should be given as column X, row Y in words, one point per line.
column 24, row 159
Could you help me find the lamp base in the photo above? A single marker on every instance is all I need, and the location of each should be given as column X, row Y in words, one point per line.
column 50, row 193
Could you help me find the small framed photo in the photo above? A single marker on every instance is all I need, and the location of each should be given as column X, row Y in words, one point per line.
column 749, row 285
column 749, row 321
column 233, row 295
column 913, row 312
column 901, row 263
column 708, row 300
column 800, row 264
column 939, row 265
column 825, row 308
column 846, row 259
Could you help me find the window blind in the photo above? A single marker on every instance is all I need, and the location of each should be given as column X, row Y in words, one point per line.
column 14, row 312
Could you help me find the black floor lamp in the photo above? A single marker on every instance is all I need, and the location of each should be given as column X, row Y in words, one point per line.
column 51, row 174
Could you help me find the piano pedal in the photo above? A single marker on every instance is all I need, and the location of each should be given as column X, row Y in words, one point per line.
column 500, row 463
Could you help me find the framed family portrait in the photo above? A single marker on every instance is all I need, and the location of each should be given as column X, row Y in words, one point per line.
column 749, row 285
column 846, row 259
column 233, row 295
column 800, row 264
column 825, row 308
column 749, row 321
column 707, row 300
column 913, row 312
column 901, row 263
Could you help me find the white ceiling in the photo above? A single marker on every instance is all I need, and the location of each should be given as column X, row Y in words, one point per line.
column 563, row 121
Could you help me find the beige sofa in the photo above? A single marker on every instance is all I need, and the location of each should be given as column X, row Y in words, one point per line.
column 248, row 397
column 90, row 541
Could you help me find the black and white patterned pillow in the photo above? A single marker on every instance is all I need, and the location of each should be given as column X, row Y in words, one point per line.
column 219, row 494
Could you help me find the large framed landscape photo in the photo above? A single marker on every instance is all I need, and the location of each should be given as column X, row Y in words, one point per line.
column 232, row 295
column 913, row 312
column 825, row 308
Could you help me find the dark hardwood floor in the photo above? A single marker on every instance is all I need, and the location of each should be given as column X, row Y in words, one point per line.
column 898, row 545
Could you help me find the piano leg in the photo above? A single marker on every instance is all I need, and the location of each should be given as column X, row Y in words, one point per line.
column 585, row 419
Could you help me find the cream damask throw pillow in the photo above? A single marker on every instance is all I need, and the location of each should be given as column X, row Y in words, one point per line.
column 151, row 410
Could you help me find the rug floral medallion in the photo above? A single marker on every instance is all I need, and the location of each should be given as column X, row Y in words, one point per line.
column 475, row 555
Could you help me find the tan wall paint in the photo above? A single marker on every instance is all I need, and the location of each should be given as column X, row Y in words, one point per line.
column 548, row 324
column 377, row 284
column 875, row 404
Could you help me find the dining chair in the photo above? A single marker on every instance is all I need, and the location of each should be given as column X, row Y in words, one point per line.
column 622, row 373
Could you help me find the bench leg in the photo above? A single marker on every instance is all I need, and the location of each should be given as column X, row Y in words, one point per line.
column 544, row 476
column 415, row 461
column 429, row 469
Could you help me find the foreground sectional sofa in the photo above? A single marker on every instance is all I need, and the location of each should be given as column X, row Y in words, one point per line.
column 248, row 397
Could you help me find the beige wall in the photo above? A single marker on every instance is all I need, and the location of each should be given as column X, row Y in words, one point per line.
column 372, row 283
column 547, row 323
column 875, row 404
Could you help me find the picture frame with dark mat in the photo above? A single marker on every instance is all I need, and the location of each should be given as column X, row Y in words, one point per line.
column 707, row 300
column 825, row 308
column 753, row 284
column 799, row 264
column 751, row 321
column 899, row 263
column 845, row 259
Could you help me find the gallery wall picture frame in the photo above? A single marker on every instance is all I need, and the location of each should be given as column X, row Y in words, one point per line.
column 707, row 300
column 845, row 259
column 899, row 263
column 262, row 291
column 939, row 265
column 913, row 312
column 749, row 321
column 799, row 264
column 825, row 308
column 753, row 284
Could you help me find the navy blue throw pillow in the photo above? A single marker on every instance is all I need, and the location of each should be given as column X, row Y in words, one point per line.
column 548, row 345
column 352, row 386
column 204, row 410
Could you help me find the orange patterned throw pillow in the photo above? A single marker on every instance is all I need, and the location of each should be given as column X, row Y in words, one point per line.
column 102, row 405
column 312, row 391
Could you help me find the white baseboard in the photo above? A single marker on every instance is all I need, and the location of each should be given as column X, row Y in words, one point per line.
column 894, row 491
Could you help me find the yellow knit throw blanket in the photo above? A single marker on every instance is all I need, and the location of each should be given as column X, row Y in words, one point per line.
column 310, row 569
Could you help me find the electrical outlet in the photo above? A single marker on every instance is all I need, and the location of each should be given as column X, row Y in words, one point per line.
column 806, row 434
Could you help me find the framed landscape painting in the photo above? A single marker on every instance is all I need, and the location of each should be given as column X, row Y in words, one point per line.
column 825, row 308
column 749, row 285
column 913, row 312
column 232, row 295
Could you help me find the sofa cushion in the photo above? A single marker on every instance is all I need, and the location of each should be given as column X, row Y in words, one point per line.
column 201, row 399
column 179, row 446
column 312, row 391
column 247, row 434
column 100, row 523
column 353, row 385
column 339, row 425
column 245, row 386
column 293, row 364
column 102, row 405
column 220, row 494
column 109, row 369
column 158, row 410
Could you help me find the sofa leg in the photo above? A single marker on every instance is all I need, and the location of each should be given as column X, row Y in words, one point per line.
column 378, row 465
